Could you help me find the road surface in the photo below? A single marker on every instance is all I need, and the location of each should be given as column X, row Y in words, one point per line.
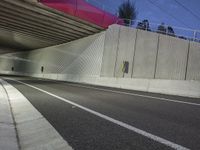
column 99, row 118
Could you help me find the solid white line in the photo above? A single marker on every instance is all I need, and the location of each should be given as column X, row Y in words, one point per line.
column 139, row 95
column 133, row 94
column 127, row 126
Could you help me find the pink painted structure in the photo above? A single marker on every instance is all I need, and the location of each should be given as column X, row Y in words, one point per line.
column 83, row 10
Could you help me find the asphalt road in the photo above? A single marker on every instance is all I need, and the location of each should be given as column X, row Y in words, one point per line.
column 172, row 118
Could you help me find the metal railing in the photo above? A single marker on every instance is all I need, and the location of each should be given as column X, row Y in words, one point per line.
column 179, row 32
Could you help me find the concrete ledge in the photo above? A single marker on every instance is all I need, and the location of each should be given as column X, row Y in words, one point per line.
column 175, row 87
column 33, row 130
column 188, row 88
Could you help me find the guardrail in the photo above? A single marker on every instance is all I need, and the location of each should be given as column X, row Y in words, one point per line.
column 179, row 32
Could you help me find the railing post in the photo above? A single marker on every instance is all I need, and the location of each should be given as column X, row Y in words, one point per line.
column 194, row 34
column 146, row 26
column 167, row 31
column 194, row 38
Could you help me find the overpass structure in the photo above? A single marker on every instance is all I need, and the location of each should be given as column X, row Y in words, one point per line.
column 32, row 24
column 83, row 9
column 116, row 88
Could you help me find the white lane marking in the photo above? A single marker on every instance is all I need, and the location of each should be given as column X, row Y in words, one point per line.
column 139, row 95
column 117, row 122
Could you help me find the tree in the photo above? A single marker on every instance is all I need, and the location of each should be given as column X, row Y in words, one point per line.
column 170, row 31
column 162, row 29
column 140, row 26
column 144, row 25
column 182, row 37
column 127, row 11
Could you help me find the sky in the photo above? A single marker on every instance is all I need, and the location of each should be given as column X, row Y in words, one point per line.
column 168, row 8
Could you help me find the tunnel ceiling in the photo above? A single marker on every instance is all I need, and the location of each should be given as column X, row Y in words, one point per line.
column 27, row 25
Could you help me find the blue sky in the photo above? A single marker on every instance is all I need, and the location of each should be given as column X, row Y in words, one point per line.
column 146, row 10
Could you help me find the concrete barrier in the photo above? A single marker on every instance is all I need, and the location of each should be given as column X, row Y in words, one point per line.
column 175, row 87
column 172, row 87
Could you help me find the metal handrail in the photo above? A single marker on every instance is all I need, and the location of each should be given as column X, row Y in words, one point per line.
column 185, row 33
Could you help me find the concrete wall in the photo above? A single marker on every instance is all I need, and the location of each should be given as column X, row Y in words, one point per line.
column 145, row 55
column 157, row 63
column 110, row 51
column 150, row 55
column 193, row 69
column 83, row 57
column 172, row 58
column 21, row 41
column 6, row 63
column 125, row 51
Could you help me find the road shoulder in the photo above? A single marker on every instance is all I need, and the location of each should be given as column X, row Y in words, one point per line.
column 33, row 131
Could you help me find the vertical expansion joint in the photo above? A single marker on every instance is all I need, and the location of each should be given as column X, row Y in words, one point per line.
column 103, row 55
column 133, row 62
column 156, row 61
column 117, row 52
column 187, row 60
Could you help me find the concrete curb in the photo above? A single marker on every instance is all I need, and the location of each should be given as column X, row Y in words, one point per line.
column 33, row 130
column 8, row 136
column 186, row 88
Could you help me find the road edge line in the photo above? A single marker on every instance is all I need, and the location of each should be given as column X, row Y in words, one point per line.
column 117, row 122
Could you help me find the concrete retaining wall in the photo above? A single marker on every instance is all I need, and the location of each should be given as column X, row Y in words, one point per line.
column 126, row 49
column 145, row 55
column 110, row 51
column 150, row 55
column 193, row 69
column 83, row 57
column 172, row 58
column 157, row 63
column 6, row 63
